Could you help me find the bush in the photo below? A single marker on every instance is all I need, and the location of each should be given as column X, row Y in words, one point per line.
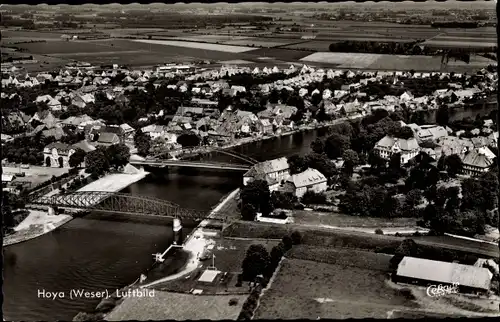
column 233, row 302
column 311, row 197
column 407, row 293
column 296, row 237
column 417, row 234
column 379, row 231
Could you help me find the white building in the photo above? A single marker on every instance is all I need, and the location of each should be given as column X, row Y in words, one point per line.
column 309, row 180
column 388, row 146
column 277, row 170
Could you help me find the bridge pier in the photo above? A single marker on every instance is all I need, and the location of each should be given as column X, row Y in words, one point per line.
column 177, row 228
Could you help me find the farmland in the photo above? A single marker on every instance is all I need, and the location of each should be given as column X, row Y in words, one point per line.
column 260, row 42
column 308, row 289
column 199, row 46
column 175, row 306
column 314, row 45
column 395, row 63
column 69, row 47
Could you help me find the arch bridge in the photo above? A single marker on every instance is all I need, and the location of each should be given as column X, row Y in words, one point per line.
column 242, row 157
column 119, row 203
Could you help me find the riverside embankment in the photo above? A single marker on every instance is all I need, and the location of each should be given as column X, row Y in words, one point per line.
column 40, row 222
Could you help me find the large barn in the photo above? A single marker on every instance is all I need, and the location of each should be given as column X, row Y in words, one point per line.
column 471, row 279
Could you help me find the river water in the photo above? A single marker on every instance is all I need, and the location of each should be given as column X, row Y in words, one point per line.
column 108, row 252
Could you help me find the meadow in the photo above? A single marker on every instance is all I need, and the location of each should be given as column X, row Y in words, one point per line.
column 175, row 306
column 308, row 289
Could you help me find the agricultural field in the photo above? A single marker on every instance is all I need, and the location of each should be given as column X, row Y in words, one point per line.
column 313, row 45
column 260, row 42
column 175, row 306
column 395, row 62
column 199, row 46
column 29, row 35
column 340, row 220
column 309, row 290
column 62, row 47
column 281, row 54
column 439, row 43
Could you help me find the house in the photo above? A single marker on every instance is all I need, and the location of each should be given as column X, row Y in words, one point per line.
column 308, row 180
column 477, row 161
column 388, row 146
column 276, row 169
column 107, row 139
column 45, row 117
column 154, row 130
column 425, row 133
column 265, row 126
column 421, row 271
column 57, row 154
column 128, row 131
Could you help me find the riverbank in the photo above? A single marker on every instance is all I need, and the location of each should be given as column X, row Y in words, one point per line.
column 115, row 182
column 249, row 140
column 195, row 245
column 37, row 223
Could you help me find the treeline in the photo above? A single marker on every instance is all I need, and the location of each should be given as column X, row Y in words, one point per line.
column 390, row 48
column 455, row 24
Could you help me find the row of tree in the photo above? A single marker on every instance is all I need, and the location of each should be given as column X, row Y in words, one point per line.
column 103, row 159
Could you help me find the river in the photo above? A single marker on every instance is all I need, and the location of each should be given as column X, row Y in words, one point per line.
column 108, row 252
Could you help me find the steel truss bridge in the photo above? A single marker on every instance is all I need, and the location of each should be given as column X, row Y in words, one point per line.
column 118, row 203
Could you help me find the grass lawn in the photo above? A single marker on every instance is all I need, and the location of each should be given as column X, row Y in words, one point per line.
column 341, row 220
column 308, row 289
column 229, row 255
column 175, row 306
column 313, row 236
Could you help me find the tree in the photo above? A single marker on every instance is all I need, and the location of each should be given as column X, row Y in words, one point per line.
column 321, row 163
column 453, row 165
column 318, row 146
column 96, row 162
column 395, row 162
column 296, row 237
column 118, row 155
column 350, row 161
column 287, row 242
column 413, row 198
column 248, row 212
column 77, row 158
column 335, row 145
column 443, row 115
column 257, row 194
column 404, row 132
column 61, row 162
column 142, row 142
column 188, row 139
column 297, row 164
column 283, row 200
column 311, row 197
column 255, row 262
column 48, row 162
